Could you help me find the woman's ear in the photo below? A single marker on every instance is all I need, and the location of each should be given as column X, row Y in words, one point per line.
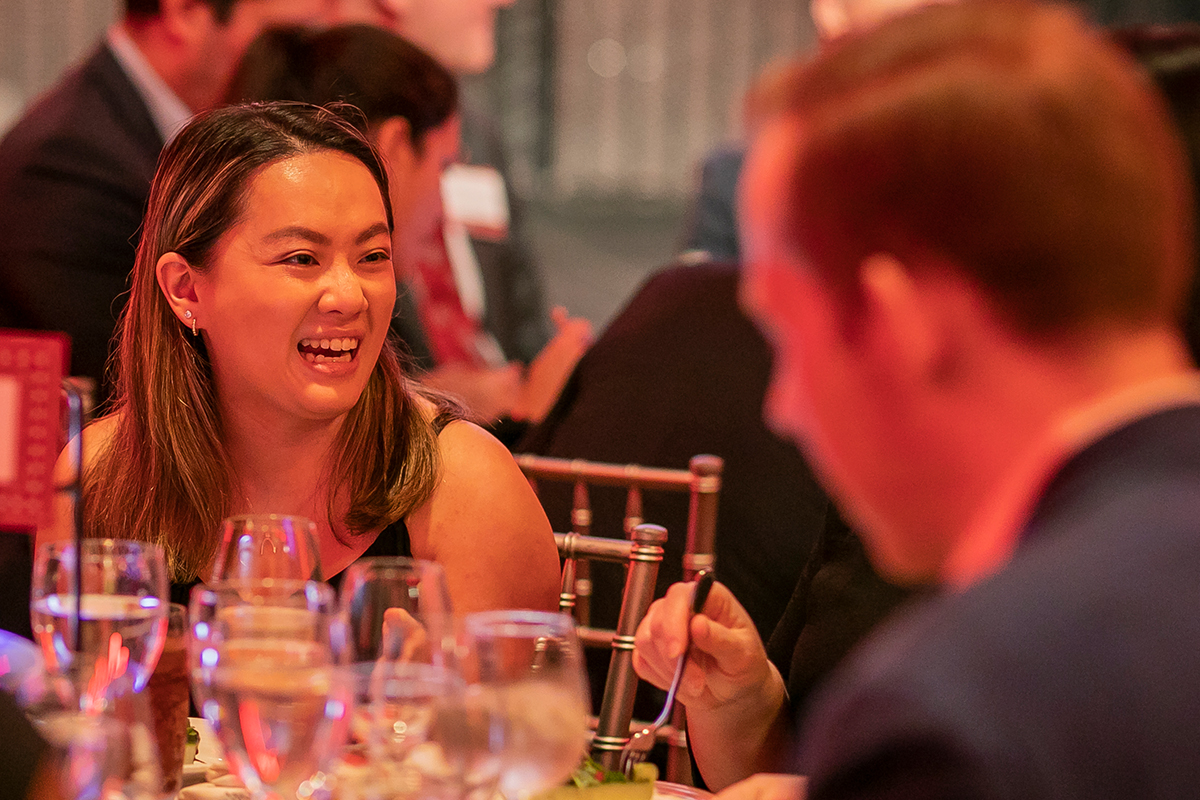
column 177, row 280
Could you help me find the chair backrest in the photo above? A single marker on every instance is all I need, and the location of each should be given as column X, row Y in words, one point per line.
column 702, row 481
column 642, row 554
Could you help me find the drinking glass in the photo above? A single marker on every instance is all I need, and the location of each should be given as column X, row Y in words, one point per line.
column 402, row 661
column 270, row 674
column 121, row 613
column 399, row 611
column 105, row 752
column 168, row 691
column 257, row 547
column 446, row 740
column 533, row 661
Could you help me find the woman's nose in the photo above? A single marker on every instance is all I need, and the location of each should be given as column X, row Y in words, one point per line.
column 343, row 291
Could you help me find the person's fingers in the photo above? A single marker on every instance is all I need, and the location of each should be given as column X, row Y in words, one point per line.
column 766, row 787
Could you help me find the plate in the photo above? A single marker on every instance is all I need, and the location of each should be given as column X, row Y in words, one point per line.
column 677, row 791
column 194, row 773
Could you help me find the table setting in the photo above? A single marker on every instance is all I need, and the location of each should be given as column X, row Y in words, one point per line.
column 374, row 690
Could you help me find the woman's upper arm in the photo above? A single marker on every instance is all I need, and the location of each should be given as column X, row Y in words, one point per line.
column 486, row 528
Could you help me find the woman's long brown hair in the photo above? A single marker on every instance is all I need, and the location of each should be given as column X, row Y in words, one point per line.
column 165, row 475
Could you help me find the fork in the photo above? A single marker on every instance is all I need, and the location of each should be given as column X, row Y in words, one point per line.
column 642, row 742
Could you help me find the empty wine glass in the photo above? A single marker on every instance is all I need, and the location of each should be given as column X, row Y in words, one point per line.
column 402, row 654
column 121, row 612
column 271, row 681
column 533, row 660
column 447, row 738
column 255, row 547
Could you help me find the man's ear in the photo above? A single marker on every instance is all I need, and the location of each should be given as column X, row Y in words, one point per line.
column 177, row 280
column 830, row 17
column 901, row 330
column 393, row 138
column 185, row 20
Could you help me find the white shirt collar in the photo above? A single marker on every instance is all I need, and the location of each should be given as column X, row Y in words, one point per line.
column 166, row 109
column 996, row 529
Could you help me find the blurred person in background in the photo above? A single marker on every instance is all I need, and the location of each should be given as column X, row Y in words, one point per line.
column 411, row 105
column 494, row 278
column 75, row 173
column 75, row 170
column 978, row 346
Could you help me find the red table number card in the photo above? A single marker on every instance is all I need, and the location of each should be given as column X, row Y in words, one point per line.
column 31, row 372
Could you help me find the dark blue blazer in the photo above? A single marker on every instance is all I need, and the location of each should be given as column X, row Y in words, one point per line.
column 1073, row 673
column 75, row 174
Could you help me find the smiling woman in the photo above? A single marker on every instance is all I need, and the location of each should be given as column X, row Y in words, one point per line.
column 254, row 373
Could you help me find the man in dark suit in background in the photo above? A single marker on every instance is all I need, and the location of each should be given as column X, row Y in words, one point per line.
column 968, row 236
column 75, row 170
column 75, row 174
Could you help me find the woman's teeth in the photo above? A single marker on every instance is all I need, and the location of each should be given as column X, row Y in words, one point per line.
column 320, row 350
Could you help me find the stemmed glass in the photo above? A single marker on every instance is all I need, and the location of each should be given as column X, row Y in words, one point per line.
column 402, row 654
column 122, row 613
column 533, row 660
column 105, row 752
column 255, row 547
column 266, row 659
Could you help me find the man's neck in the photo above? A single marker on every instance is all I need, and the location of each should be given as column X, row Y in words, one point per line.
column 167, row 56
column 1146, row 375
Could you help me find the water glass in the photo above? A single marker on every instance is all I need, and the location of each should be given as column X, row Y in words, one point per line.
column 533, row 661
column 270, row 667
column 121, row 612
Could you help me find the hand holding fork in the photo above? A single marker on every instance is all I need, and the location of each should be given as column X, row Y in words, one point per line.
column 642, row 742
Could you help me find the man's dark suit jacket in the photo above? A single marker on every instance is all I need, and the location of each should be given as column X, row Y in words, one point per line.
column 681, row 372
column 1070, row 674
column 75, row 174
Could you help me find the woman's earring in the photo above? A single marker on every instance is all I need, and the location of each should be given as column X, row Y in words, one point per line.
column 188, row 314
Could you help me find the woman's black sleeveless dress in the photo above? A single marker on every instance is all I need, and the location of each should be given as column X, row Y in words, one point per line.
column 391, row 541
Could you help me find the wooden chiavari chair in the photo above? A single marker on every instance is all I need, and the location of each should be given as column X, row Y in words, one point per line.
column 702, row 482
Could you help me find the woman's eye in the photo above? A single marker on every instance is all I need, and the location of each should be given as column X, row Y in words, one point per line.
column 301, row 259
column 378, row 257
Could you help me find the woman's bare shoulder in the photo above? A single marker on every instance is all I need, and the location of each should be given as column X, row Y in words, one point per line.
column 486, row 527
column 98, row 435
column 97, row 438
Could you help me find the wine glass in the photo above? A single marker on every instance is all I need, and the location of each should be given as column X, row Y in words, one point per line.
column 121, row 613
column 402, row 656
column 533, row 660
column 399, row 611
column 446, row 738
column 255, row 547
column 108, row 751
column 271, row 679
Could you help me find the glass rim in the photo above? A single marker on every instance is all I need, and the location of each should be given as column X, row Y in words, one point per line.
column 239, row 585
column 389, row 562
column 519, row 621
column 126, row 545
column 295, row 518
